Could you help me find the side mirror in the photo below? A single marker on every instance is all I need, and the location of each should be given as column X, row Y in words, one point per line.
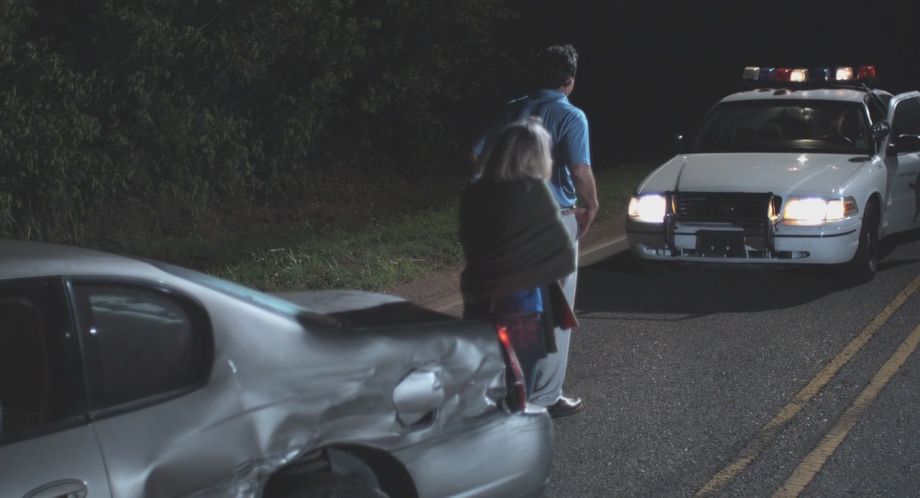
column 679, row 143
column 904, row 143
column 880, row 129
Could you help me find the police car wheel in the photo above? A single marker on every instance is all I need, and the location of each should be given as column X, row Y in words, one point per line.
column 865, row 262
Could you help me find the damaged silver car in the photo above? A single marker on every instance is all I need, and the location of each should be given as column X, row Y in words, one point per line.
column 129, row 378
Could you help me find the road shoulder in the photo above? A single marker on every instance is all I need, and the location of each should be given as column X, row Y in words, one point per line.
column 439, row 289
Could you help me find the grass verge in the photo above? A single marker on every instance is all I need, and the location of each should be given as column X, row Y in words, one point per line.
column 371, row 256
column 616, row 185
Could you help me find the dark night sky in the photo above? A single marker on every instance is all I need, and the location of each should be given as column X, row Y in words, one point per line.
column 649, row 69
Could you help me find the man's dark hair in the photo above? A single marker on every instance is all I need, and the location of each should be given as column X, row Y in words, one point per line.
column 555, row 65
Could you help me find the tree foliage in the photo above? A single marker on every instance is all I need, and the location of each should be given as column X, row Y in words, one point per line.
column 165, row 111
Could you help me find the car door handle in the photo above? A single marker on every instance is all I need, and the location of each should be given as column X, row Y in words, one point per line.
column 65, row 488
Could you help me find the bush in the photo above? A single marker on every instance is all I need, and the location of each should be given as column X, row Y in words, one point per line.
column 161, row 116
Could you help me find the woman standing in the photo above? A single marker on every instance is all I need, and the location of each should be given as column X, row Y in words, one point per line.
column 515, row 244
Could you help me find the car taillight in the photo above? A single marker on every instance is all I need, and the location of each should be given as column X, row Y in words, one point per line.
column 517, row 390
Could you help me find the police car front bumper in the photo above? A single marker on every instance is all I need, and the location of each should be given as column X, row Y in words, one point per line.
column 830, row 243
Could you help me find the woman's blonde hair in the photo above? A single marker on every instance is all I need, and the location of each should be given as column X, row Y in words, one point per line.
column 520, row 150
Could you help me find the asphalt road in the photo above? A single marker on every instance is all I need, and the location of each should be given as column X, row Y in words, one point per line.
column 744, row 383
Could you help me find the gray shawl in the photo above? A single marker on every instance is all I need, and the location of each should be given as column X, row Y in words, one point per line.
column 512, row 237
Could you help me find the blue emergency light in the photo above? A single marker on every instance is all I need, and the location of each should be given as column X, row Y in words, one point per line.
column 821, row 74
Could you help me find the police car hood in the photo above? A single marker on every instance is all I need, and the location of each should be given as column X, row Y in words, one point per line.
column 754, row 172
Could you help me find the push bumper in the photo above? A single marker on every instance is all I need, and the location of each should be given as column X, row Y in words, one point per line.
column 832, row 243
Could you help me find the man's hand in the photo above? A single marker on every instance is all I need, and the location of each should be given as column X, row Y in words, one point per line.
column 584, row 187
column 584, row 217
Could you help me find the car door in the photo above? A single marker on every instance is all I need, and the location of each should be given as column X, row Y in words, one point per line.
column 902, row 158
column 47, row 447
column 147, row 350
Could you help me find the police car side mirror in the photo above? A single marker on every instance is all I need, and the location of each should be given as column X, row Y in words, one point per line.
column 904, row 143
column 880, row 129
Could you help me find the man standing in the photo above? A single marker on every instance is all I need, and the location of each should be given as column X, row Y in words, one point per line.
column 571, row 180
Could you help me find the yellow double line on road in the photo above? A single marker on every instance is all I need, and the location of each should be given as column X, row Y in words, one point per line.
column 769, row 431
column 815, row 460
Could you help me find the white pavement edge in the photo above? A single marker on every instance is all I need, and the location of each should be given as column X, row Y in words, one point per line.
column 587, row 256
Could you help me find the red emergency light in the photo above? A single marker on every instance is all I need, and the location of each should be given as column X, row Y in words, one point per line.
column 782, row 74
column 866, row 73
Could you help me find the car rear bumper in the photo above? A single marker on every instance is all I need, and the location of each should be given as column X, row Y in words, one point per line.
column 509, row 456
column 832, row 243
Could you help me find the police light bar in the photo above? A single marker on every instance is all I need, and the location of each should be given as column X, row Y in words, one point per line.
column 765, row 75
column 844, row 73
column 822, row 74
column 782, row 74
column 751, row 73
column 798, row 75
column 866, row 73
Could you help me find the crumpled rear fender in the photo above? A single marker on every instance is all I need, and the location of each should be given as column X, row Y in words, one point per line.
column 285, row 391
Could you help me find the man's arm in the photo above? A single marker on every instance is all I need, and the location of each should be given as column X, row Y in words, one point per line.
column 584, row 186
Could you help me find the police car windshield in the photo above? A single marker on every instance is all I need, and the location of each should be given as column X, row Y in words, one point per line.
column 784, row 126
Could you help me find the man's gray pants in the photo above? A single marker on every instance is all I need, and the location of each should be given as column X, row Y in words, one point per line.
column 550, row 371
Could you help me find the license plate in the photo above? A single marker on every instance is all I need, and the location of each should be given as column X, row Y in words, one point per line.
column 721, row 243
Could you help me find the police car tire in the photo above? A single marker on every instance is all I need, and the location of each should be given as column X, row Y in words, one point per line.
column 864, row 264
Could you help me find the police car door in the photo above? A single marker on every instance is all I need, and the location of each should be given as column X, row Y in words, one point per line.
column 47, row 446
column 902, row 158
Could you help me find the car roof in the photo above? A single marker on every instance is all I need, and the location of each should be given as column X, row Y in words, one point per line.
column 838, row 94
column 23, row 259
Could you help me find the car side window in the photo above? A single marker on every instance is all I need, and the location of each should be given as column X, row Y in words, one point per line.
column 906, row 118
column 876, row 110
column 40, row 384
column 140, row 342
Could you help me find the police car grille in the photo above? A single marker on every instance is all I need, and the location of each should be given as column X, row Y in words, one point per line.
column 706, row 206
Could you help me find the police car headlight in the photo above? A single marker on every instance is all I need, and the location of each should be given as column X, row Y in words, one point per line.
column 647, row 208
column 814, row 211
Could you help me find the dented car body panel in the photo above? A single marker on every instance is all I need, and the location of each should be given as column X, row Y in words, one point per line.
column 427, row 393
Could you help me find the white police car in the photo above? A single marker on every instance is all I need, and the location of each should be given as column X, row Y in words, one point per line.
column 796, row 169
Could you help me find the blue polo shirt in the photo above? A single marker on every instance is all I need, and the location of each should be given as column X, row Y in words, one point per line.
column 568, row 127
